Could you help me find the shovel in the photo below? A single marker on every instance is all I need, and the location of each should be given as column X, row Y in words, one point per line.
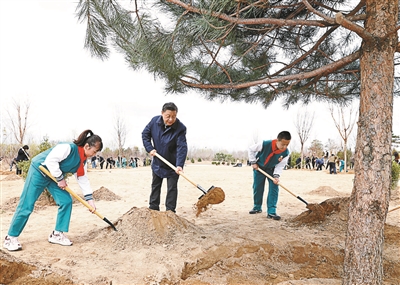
column 77, row 197
column 184, row 176
column 394, row 209
column 214, row 195
column 312, row 207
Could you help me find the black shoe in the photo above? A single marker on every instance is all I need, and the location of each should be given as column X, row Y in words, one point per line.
column 274, row 217
column 255, row 211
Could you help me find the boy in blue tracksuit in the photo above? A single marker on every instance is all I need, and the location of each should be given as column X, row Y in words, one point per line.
column 165, row 135
column 61, row 159
column 271, row 156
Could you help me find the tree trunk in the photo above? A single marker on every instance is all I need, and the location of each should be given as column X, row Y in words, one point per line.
column 370, row 195
column 345, row 155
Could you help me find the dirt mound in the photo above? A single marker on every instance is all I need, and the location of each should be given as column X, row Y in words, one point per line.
column 263, row 263
column 335, row 216
column 142, row 226
column 16, row 272
column 325, row 191
column 41, row 203
column 105, row 194
column 10, row 204
column 332, row 211
column 11, row 177
column 45, row 199
column 395, row 194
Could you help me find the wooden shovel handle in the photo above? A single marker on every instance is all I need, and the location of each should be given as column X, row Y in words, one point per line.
column 70, row 191
column 394, row 209
column 272, row 178
column 174, row 168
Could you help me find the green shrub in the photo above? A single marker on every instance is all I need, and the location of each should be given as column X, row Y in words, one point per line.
column 199, row 160
column 24, row 166
column 293, row 157
column 192, row 160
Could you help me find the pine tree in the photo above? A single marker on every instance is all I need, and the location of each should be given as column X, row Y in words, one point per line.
column 259, row 51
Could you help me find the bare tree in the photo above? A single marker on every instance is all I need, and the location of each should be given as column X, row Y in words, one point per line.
column 303, row 126
column 120, row 133
column 344, row 128
column 332, row 146
column 18, row 116
column 316, row 148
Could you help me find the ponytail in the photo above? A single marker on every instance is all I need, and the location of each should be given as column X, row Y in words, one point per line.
column 88, row 137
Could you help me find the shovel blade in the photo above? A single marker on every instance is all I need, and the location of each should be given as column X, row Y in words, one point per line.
column 205, row 192
column 111, row 224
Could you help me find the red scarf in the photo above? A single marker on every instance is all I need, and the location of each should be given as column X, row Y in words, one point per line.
column 81, row 170
column 275, row 150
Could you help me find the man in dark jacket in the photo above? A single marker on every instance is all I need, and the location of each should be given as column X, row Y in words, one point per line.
column 22, row 156
column 165, row 135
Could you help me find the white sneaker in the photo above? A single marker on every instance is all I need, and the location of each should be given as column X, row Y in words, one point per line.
column 59, row 238
column 12, row 243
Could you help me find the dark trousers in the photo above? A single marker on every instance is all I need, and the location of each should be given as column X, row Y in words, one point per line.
column 172, row 193
column 332, row 167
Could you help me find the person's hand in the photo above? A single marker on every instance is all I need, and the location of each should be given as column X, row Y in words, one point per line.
column 91, row 203
column 276, row 180
column 179, row 170
column 62, row 184
column 153, row 152
column 255, row 166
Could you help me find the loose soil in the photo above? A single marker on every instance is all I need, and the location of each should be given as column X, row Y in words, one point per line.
column 221, row 245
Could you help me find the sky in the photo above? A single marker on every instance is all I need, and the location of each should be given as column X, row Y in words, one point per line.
column 43, row 60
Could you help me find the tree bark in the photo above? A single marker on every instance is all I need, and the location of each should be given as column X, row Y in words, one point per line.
column 370, row 195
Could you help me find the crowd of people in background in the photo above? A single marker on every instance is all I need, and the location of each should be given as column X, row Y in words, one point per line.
column 325, row 162
column 331, row 162
column 119, row 162
column 95, row 162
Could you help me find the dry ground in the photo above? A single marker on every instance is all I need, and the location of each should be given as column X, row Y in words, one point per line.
column 223, row 245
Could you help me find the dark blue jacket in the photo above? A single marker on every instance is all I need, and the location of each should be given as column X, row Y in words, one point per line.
column 169, row 142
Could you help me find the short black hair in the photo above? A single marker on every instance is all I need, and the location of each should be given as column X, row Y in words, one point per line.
column 284, row 135
column 25, row 147
column 169, row 106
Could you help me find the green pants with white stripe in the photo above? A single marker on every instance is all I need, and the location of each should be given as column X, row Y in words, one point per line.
column 258, row 191
column 34, row 185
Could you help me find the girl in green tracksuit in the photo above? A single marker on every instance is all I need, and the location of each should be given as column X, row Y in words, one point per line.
column 61, row 159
